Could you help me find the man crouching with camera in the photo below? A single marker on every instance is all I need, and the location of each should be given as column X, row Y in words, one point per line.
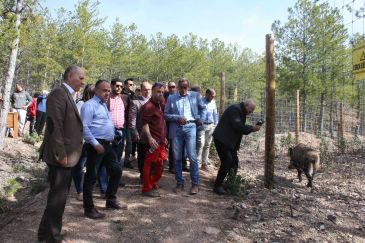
column 227, row 138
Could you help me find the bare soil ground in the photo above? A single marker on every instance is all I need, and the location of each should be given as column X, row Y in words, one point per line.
column 335, row 212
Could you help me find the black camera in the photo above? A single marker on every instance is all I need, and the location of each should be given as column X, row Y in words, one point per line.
column 260, row 122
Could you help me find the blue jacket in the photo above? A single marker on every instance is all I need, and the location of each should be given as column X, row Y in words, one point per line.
column 172, row 110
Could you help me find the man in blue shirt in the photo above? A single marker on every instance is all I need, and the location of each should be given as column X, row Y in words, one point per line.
column 209, row 120
column 182, row 111
column 98, row 135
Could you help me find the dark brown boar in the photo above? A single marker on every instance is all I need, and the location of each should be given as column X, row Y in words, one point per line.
column 304, row 159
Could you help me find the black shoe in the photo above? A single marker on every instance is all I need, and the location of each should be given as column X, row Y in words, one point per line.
column 115, row 205
column 171, row 170
column 128, row 165
column 93, row 214
column 151, row 193
column 219, row 190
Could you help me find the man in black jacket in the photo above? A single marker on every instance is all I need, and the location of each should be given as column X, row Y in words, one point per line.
column 227, row 138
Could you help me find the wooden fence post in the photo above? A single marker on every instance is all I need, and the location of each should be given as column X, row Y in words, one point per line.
column 270, row 113
column 297, row 119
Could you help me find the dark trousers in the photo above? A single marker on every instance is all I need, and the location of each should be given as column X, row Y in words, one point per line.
column 94, row 160
column 134, row 148
column 141, row 150
column 51, row 224
column 40, row 121
column 31, row 124
column 229, row 160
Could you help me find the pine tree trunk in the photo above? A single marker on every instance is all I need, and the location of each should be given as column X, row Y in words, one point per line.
column 321, row 112
column 10, row 74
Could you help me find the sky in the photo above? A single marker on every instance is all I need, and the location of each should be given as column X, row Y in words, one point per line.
column 245, row 22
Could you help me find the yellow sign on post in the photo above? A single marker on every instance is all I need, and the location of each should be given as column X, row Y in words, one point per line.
column 358, row 61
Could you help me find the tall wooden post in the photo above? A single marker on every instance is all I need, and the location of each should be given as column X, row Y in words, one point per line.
column 270, row 113
column 340, row 128
column 223, row 94
column 297, row 119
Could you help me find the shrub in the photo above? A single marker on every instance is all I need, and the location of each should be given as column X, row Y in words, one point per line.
column 12, row 186
column 31, row 138
column 236, row 185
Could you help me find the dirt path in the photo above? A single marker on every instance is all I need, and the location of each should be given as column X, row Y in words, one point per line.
column 335, row 212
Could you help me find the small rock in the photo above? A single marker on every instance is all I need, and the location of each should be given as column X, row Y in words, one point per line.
column 293, row 233
column 243, row 206
column 212, row 231
column 322, row 227
column 168, row 229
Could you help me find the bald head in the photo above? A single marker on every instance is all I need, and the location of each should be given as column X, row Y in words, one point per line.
column 250, row 105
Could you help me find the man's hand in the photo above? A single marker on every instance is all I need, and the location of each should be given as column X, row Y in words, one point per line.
column 136, row 137
column 182, row 120
column 153, row 143
column 63, row 162
column 256, row 128
column 99, row 149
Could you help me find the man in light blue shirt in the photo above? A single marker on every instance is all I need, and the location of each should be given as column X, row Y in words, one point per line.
column 209, row 121
column 182, row 111
column 98, row 135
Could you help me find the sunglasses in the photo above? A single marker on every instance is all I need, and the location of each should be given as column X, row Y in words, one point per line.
column 184, row 87
column 171, row 87
column 118, row 86
column 130, row 84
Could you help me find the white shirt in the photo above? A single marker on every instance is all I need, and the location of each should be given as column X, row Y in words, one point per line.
column 71, row 90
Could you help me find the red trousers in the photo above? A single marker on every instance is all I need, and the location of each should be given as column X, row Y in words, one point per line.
column 156, row 158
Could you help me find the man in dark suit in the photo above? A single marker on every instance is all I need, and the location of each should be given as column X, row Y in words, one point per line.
column 61, row 150
column 227, row 138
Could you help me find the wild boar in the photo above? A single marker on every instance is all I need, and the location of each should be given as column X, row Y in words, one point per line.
column 304, row 159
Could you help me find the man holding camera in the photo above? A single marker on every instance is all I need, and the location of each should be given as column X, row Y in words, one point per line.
column 227, row 138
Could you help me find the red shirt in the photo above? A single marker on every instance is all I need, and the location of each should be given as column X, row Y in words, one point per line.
column 32, row 108
column 152, row 114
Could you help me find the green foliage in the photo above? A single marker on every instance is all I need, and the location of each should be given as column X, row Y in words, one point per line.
column 324, row 152
column 236, row 185
column 31, row 138
column 12, row 186
column 287, row 142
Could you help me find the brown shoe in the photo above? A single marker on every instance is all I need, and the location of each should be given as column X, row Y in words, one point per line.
column 179, row 189
column 93, row 214
column 194, row 189
column 204, row 167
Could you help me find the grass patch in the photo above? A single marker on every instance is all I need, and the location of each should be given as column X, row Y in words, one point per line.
column 12, row 186
column 236, row 185
column 31, row 138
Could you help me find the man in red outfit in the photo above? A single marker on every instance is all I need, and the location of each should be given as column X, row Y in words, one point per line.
column 153, row 134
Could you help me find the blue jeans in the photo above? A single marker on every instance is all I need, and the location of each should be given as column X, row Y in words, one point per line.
column 128, row 146
column 186, row 135
column 77, row 171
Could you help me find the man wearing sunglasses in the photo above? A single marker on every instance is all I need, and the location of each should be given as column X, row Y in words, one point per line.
column 129, row 91
column 182, row 112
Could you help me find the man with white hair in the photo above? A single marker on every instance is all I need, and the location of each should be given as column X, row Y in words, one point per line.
column 227, row 138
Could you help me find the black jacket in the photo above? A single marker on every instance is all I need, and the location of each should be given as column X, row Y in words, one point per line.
column 231, row 126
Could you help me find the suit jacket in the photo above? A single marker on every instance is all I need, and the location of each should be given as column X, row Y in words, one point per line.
column 134, row 116
column 172, row 110
column 63, row 135
column 232, row 126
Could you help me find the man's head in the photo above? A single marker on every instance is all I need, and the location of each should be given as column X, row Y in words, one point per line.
column 74, row 76
column 116, row 85
column 171, row 87
column 102, row 90
column 250, row 105
column 146, row 89
column 128, row 84
column 195, row 88
column 18, row 87
column 158, row 90
column 183, row 86
column 210, row 94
